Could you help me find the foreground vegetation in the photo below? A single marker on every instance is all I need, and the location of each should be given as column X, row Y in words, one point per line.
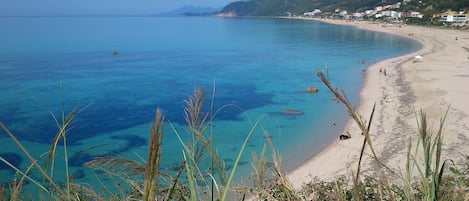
column 436, row 178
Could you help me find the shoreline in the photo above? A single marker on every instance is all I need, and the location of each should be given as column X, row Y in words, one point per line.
column 398, row 96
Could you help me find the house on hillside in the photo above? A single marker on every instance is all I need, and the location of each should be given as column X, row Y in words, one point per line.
column 378, row 8
column 312, row 13
column 396, row 5
column 325, row 14
column 412, row 14
column 455, row 17
column 358, row 15
column 391, row 13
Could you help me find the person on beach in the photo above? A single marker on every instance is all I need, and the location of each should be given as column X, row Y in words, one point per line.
column 345, row 136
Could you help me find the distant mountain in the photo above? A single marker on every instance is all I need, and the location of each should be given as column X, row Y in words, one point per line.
column 190, row 10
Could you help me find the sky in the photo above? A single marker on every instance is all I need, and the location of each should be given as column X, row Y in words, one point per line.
column 99, row 7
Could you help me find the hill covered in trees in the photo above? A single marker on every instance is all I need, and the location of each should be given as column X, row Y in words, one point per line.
column 298, row 7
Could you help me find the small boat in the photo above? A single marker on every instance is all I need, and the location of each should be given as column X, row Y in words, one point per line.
column 312, row 89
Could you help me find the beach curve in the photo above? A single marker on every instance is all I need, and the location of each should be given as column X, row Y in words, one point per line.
column 433, row 83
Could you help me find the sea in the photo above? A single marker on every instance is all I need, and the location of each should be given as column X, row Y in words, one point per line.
column 116, row 71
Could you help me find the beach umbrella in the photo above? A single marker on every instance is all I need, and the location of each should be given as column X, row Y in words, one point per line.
column 417, row 58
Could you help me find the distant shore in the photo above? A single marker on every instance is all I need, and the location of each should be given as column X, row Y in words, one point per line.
column 433, row 79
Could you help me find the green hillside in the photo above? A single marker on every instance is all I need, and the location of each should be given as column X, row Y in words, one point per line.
column 298, row 7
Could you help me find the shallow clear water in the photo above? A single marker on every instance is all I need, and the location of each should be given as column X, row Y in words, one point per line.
column 260, row 65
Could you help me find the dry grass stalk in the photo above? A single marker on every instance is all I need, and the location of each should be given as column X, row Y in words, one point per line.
column 259, row 164
column 362, row 124
column 150, row 182
column 63, row 128
column 195, row 118
column 197, row 123
column 387, row 190
column 33, row 160
column 279, row 175
column 432, row 145
column 408, row 188
column 18, row 185
column 117, row 166
column 85, row 193
column 61, row 134
column 121, row 169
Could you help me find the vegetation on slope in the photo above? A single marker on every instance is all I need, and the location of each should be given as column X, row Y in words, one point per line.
column 298, row 7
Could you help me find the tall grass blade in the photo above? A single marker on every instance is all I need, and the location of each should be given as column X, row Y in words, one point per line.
column 31, row 158
column 356, row 117
column 150, row 182
column 362, row 151
column 350, row 110
column 259, row 164
column 281, row 180
column 63, row 128
column 18, row 185
column 59, row 135
column 25, row 175
column 191, row 163
column 197, row 123
column 191, row 157
column 173, row 186
column 212, row 195
column 438, row 171
column 190, row 179
column 238, row 158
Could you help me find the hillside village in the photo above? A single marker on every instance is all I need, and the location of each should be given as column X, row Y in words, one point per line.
column 391, row 13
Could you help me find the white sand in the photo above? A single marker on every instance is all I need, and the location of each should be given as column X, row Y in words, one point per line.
column 440, row 80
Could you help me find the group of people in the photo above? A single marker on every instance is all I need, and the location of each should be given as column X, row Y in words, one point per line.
column 381, row 70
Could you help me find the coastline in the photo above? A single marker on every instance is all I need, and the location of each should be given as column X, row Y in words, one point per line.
column 434, row 84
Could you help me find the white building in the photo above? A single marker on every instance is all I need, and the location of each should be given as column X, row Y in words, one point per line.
column 396, row 5
column 390, row 13
column 452, row 16
column 358, row 15
column 312, row 13
column 370, row 12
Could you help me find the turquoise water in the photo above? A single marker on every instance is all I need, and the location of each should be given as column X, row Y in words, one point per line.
column 260, row 65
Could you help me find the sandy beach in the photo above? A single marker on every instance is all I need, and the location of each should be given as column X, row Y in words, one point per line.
column 434, row 83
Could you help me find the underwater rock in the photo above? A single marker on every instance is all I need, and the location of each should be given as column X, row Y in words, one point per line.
column 79, row 174
column 77, row 160
column 292, row 112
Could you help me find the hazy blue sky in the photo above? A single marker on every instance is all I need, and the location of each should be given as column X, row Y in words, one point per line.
column 80, row 7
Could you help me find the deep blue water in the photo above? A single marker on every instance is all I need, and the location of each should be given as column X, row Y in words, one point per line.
column 260, row 65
